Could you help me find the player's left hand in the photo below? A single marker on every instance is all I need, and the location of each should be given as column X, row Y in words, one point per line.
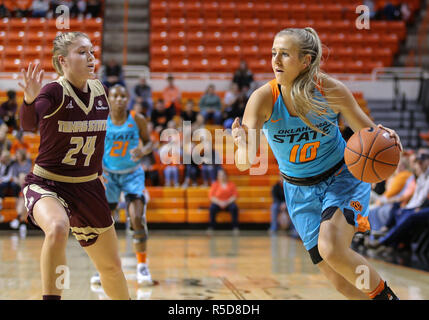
column 137, row 153
column 393, row 135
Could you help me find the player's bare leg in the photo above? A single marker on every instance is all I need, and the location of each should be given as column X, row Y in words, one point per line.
column 335, row 237
column 104, row 253
column 52, row 218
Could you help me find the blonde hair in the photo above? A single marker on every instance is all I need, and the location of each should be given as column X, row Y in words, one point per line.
column 302, row 91
column 62, row 43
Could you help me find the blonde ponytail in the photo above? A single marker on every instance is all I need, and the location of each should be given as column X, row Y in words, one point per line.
column 303, row 87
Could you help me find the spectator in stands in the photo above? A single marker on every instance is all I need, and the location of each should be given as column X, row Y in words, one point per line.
column 4, row 11
column 150, row 169
column 161, row 115
column 189, row 113
column 391, row 12
column 371, row 6
column 223, row 195
column 395, row 188
column 243, row 76
column 8, row 111
column 234, row 111
column 22, row 8
column 19, row 143
column 40, row 8
column 93, row 8
column 211, row 164
column 192, row 169
column 8, row 186
column 5, row 143
column 143, row 95
column 278, row 206
column 405, row 12
column 211, row 105
column 172, row 96
column 170, row 154
column 231, row 95
column 78, row 8
column 416, row 211
column 113, row 74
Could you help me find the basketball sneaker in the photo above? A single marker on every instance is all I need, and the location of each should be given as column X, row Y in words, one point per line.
column 95, row 279
column 143, row 274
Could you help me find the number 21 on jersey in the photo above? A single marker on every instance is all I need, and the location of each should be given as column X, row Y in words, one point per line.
column 302, row 152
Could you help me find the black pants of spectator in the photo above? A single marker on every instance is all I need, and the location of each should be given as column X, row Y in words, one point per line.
column 153, row 176
column 10, row 189
column 232, row 208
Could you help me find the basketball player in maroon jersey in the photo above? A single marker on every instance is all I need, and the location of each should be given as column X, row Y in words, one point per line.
column 64, row 190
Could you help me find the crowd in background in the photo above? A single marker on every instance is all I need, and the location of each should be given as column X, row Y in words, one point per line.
column 47, row 8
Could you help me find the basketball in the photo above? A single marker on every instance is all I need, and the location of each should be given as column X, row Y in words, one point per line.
column 371, row 155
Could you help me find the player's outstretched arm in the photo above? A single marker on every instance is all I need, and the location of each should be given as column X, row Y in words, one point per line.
column 247, row 134
column 140, row 152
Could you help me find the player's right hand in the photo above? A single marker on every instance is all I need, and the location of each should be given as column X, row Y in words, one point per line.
column 239, row 133
column 33, row 78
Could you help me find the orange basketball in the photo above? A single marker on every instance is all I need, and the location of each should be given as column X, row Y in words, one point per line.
column 371, row 155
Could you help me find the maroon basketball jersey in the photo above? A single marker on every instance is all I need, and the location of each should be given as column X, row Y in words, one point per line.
column 72, row 134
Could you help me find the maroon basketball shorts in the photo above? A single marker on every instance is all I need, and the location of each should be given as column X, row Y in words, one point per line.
column 85, row 203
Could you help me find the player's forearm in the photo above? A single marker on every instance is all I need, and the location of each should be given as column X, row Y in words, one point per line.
column 28, row 117
column 244, row 157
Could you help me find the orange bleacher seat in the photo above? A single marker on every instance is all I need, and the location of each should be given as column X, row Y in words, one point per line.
column 342, row 26
column 245, row 10
column 271, row 25
column 176, row 10
column 379, row 26
column 334, row 66
column 176, row 24
column 159, row 51
column 344, row 53
column 213, row 38
column 250, row 51
column 35, row 38
column 4, row 24
column 398, row 28
column 159, row 38
column 195, row 38
column 158, row 9
column 159, row 65
column 231, row 25
column 3, row 37
column 18, row 24
column 159, row 24
column 210, row 10
column 263, row 10
column 233, row 51
column 14, row 52
column 250, row 25
column 36, row 24
column 170, row 215
column 390, row 41
column 333, row 12
column 214, row 51
column 315, row 11
column 93, row 25
column 356, row 40
column 383, row 55
column 337, row 39
column 195, row 51
column 15, row 38
column 298, row 11
column 195, row 24
column 200, row 65
column 228, row 10
column 365, row 53
column 193, row 10
column 213, row 25
column 180, row 65
column 250, row 38
column 11, row 65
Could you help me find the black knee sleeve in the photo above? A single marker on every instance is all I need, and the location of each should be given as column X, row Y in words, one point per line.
column 131, row 197
column 315, row 255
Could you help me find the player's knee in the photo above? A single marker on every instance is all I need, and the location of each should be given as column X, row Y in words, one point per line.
column 111, row 269
column 329, row 249
column 58, row 231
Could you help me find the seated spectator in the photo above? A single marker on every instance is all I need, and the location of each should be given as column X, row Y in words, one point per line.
column 172, row 96
column 8, row 111
column 390, row 12
column 234, row 111
column 210, row 166
column 113, row 74
column 278, row 207
column 40, row 8
column 189, row 113
column 161, row 116
column 231, row 95
column 143, row 95
column 211, row 105
column 78, row 8
column 416, row 211
column 170, row 154
column 93, row 8
column 22, row 8
column 19, row 143
column 5, row 144
column 243, row 77
column 192, row 170
column 151, row 172
column 8, row 185
column 395, row 187
column 4, row 11
column 223, row 195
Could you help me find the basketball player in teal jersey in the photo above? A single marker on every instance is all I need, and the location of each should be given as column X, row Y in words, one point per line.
column 297, row 112
column 123, row 172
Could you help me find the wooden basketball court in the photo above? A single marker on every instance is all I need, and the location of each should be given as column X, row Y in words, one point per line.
column 193, row 265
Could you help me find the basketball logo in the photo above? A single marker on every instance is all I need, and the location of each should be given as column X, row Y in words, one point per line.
column 356, row 205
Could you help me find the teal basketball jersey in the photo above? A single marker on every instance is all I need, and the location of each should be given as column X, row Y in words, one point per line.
column 300, row 151
column 118, row 143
